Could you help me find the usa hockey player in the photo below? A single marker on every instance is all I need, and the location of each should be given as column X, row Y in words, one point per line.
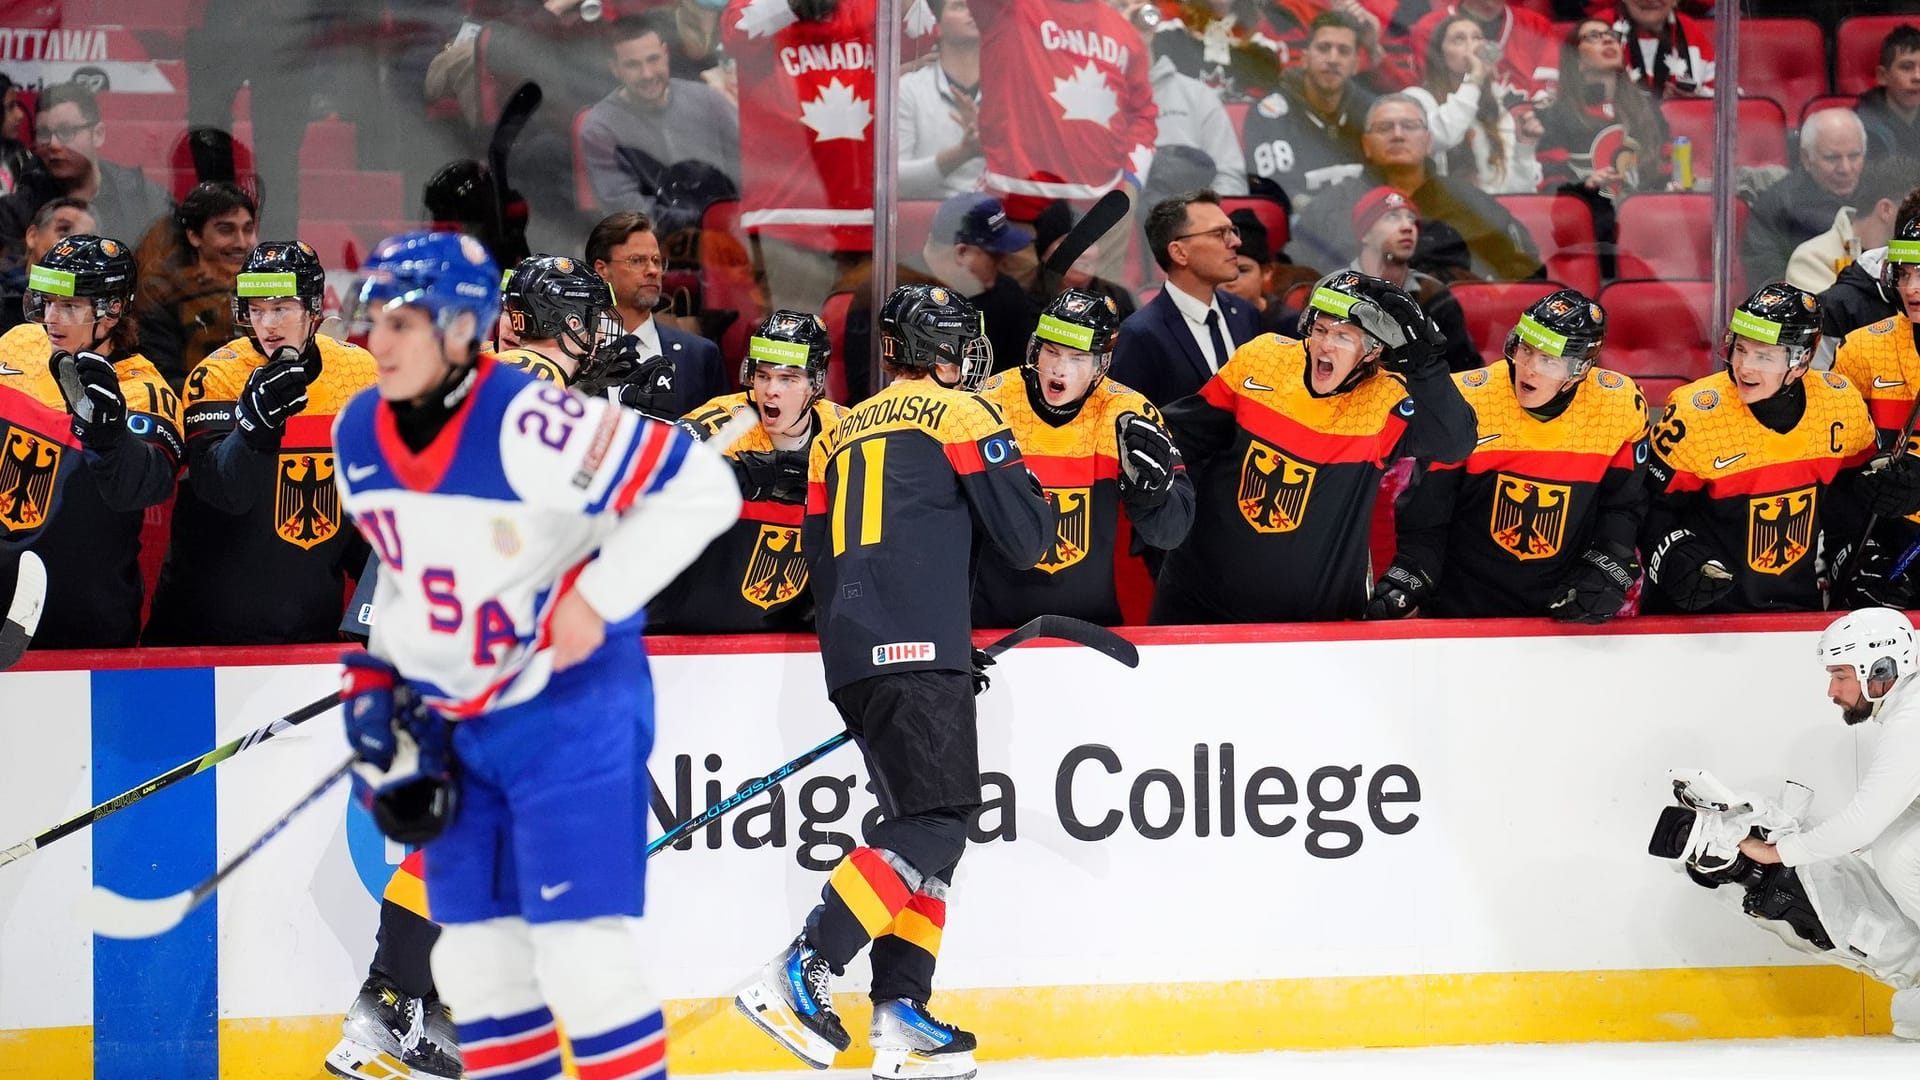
column 1543, row 516
column 1807, row 880
column 520, row 530
column 1100, row 451
column 895, row 493
column 754, row 578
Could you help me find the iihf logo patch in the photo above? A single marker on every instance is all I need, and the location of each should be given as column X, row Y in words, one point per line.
column 903, row 652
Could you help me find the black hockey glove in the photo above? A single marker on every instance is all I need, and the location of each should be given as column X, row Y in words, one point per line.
column 275, row 393
column 1687, row 570
column 1399, row 592
column 779, row 475
column 91, row 389
column 1413, row 342
column 634, row 381
column 981, row 662
column 1891, row 485
column 1147, row 457
column 1862, row 581
column 1596, row 590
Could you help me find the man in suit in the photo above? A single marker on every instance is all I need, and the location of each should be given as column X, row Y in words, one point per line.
column 1172, row 346
column 624, row 250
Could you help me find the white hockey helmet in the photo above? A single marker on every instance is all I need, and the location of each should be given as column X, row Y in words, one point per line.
column 1878, row 642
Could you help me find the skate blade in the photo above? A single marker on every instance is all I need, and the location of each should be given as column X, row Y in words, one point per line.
column 771, row 1014
column 355, row 1061
column 914, row 1065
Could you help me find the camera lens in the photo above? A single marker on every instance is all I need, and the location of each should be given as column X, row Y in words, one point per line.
column 1670, row 833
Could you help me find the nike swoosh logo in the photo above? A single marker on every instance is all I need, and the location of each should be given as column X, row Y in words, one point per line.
column 549, row 892
column 1878, row 382
column 5, row 370
column 1485, row 439
column 1251, row 385
column 1721, row 463
column 357, row 473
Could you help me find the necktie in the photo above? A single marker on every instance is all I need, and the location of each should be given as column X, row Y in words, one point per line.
column 1220, row 353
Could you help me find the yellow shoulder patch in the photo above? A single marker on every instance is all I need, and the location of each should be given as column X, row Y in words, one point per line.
column 1706, row 400
column 1477, row 377
column 1884, row 326
column 1837, row 381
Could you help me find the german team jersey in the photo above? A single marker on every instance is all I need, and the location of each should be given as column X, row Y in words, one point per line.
column 1078, row 464
column 533, row 364
column 1758, row 497
column 1500, row 532
column 92, row 546
column 753, row 577
column 1284, row 486
column 894, row 492
column 1880, row 361
column 261, row 552
column 38, row 451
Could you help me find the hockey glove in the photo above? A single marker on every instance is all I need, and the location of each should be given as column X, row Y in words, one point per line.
column 1860, row 579
column 91, row 389
column 405, row 773
column 1147, row 458
column 1687, row 570
column 981, row 662
column 779, row 475
column 1891, row 485
column 1413, row 342
column 1399, row 592
column 635, row 382
column 275, row 393
column 367, row 685
column 1596, row 590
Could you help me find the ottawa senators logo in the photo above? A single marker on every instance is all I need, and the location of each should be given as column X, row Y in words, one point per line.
column 1779, row 529
column 29, row 466
column 306, row 505
column 1070, row 540
column 1529, row 516
column 777, row 570
column 1273, row 489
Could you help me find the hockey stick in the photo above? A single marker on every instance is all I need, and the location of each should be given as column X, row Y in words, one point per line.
column 23, row 615
column 167, row 779
column 1873, row 520
column 1051, row 626
column 115, row 916
column 506, row 131
column 1098, row 221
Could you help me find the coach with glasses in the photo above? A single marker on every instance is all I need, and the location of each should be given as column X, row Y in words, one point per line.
column 1172, row 346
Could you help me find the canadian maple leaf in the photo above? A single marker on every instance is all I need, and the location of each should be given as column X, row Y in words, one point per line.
column 838, row 113
column 1086, row 96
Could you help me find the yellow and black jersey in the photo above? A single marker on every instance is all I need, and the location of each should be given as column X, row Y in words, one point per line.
column 1285, row 482
column 1078, row 464
column 753, row 577
column 260, row 553
column 91, row 546
column 895, row 491
column 1880, row 361
column 1759, row 497
column 1499, row 532
column 534, row 364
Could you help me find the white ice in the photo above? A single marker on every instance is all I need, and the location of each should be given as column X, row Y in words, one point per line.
column 1741, row 1059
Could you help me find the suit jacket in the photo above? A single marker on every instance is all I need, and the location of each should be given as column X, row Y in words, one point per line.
column 699, row 375
column 1157, row 356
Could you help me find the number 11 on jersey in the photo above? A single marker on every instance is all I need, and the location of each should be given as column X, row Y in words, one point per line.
column 873, row 465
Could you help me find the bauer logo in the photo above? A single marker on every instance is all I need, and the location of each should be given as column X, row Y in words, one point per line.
column 902, row 652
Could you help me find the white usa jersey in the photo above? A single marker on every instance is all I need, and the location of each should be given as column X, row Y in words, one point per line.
column 529, row 491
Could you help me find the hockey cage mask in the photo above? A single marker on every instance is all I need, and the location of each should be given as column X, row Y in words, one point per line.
column 1082, row 323
column 279, row 269
column 1777, row 314
column 82, row 268
column 1565, row 330
column 922, row 326
column 552, row 297
column 790, row 338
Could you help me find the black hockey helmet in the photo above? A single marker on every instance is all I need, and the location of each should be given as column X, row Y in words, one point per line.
column 925, row 325
column 1085, row 322
column 1778, row 314
column 562, row 299
column 1902, row 251
column 792, row 339
column 1565, row 323
column 83, row 265
column 1351, row 296
column 279, row 268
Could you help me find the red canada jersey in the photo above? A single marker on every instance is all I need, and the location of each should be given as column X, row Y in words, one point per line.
column 1066, row 109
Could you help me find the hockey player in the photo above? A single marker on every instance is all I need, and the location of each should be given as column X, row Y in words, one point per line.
column 1100, row 450
column 78, row 352
column 260, row 554
column 754, row 578
column 520, row 530
column 1543, row 516
column 895, row 493
column 560, row 317
column 1287, row 443
column 1751, row 465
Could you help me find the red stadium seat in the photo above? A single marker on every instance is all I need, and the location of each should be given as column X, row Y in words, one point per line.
column 349, row 195
column 1270, row 213
column 1857, row 50
column 1562, row 228
column 583, row 196
column 1492, row 307
column 1784, row 59
column 834, row 314
column 1660, row 328
column 1237, row 115
column 1825, row 101
column 1670, row 235
column 1762, row 132
column 912, row 225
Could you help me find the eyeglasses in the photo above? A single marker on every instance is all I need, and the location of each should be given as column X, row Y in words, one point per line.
column 1597, row 37
column 64, row 134
column 1388, row 127
column 640, row 262
column 1221, row 234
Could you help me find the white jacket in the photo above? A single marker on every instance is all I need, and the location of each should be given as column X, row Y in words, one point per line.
column 1456, row 119
column 1191, row 115
column 926, row 127
column 1816, row 264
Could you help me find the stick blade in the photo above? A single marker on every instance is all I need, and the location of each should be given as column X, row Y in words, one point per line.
column 115, row 916
column 1098, row 221
column 23, row 614
column 1081, row 632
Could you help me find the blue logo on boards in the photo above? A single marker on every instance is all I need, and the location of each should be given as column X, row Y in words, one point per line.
column 374, row 856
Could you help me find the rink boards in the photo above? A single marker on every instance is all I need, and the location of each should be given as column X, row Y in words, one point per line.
column 1262, row 838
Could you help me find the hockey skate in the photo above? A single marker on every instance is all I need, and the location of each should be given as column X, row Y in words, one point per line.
column 908, row 1042
column 791, row 1002
column 389, row 1036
